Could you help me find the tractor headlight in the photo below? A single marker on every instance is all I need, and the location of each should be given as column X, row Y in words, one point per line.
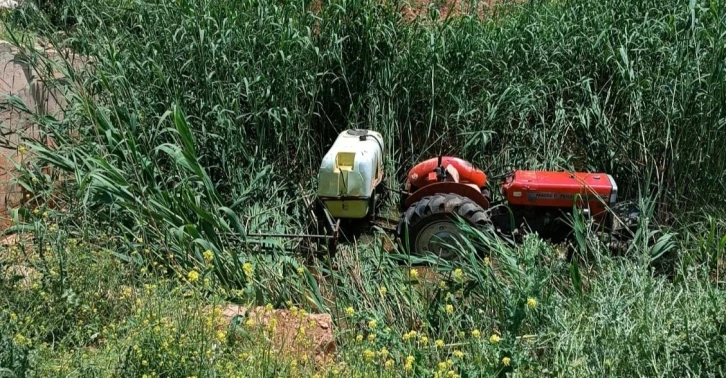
column 613, row 190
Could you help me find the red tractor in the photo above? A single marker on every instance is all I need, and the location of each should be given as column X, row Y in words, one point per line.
column 440, row 190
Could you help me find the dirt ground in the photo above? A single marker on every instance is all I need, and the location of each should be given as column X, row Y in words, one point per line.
column 447, row 8
column 292, row 333
column 411, row 9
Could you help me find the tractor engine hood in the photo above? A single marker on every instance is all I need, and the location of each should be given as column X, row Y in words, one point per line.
column 560, row 189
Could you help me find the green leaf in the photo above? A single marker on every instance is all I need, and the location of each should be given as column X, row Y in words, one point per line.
column 575, row 277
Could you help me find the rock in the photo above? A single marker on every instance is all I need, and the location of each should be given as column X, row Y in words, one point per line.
column 24, row 275
column 293, row 333
column 230, row 311
column 10, row 240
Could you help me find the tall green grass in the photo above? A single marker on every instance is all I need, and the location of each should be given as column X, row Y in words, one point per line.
column 199, row 121
column 632, row 89
column 260, row 90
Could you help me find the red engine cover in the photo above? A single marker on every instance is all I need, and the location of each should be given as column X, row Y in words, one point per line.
column 558, row 189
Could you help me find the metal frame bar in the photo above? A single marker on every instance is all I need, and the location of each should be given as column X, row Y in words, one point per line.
column 331, row 226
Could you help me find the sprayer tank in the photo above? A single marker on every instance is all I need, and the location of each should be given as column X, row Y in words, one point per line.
column 350, row 172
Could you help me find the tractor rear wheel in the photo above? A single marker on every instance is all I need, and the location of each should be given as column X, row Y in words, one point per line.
column 431, row 226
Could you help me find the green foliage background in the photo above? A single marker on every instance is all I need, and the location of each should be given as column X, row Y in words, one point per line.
column 196, row 122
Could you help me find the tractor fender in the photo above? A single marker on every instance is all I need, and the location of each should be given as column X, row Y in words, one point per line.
column 464, row 190
column 418, row 176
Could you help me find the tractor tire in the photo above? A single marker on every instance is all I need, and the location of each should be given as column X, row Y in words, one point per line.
column 433, row 218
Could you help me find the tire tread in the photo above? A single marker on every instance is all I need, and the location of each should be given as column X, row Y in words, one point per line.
column 442, row 203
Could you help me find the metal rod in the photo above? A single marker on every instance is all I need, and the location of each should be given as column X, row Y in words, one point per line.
column 329, row 218
column 390, row 229
column 292, row 236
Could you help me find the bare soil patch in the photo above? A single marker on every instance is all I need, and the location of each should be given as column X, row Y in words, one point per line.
column 292, row 334
column 447, row 8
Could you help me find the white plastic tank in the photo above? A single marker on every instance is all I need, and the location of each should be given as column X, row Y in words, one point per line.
column 350, row 172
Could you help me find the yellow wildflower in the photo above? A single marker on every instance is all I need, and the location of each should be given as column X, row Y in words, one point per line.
column 208, row 256
column 458, row 354
column 221, row 336
column 368, row 354
column 383, row 290
column 384, row 352
column 458, row 274
column 413, row 273
column 248, row 269
column 506, row 361
column 349, row 311
column 389, row 364
column 372, row 324
column 439, row 343
column 443, row 366
column 531, row 302
column 20, row 340
column 359, row 338
column 193, row 276
column 300, row 271
column 494, row 339
column 449, row 309
column 475, row 333
column 409, row 335
column 371, row 337
column 424, row 340
column 272, row 325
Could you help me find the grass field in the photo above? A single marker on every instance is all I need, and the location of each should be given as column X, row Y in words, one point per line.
column 197, row 122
